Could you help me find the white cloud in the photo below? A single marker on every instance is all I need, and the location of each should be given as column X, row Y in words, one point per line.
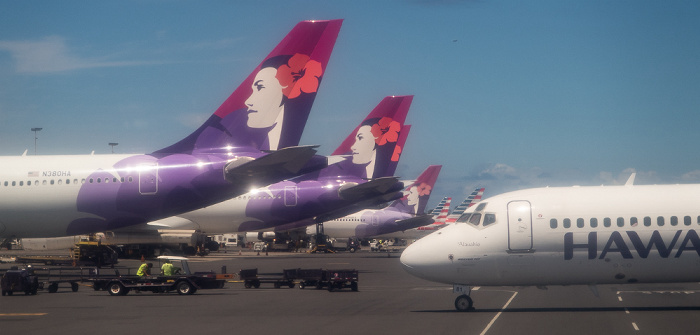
column 51, row 55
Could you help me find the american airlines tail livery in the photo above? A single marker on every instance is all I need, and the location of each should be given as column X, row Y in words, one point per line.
column 44, row 196
column 566, row 236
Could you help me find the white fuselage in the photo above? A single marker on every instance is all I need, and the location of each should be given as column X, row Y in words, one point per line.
column 563, row 236
column 38, row 194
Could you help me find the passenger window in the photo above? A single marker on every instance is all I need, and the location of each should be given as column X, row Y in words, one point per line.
column 687, row 220
column 633, row 221
column 14, row 183
column 60, row 181
column 21, row 183
column 660, row 221
column 647, row 221
column 52, row 182
column 594, row 222
column 553, row 223
column 43, row 182
column 607, row 222
column 579, row 223
column 620, row 222
column 567, row 223
column 474, row 219
column 674, row 220
column 489, row 219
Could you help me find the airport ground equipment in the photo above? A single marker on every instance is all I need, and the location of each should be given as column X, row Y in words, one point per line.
column 183, row 281
column 319, row 278
column 84, row 253
column 310, row 277
column 19, row 280
column 339, row 279
column 251, row 278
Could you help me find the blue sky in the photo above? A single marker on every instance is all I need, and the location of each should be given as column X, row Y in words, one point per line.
column 508, row 94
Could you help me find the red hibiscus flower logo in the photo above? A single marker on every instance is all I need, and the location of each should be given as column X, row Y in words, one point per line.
column 386, row 130
column 424, row 189
column 300, row 74
column 397, row 154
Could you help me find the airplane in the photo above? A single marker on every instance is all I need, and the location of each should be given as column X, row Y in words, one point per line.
column 401, row 215
column 566, row 236
column 291, row 204
column 341, row 185
column 471, row 200
column 250, row 141
column 442, row 221
column 441, row 211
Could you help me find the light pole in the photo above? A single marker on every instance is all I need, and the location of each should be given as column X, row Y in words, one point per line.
column 112, row 144
column 35, row 130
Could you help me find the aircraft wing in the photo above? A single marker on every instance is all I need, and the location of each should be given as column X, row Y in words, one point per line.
column 414, row 222
column 372, row 188
column 358, row 206
column 274, row 167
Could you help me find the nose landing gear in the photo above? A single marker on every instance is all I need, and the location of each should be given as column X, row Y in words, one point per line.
column 464, row 303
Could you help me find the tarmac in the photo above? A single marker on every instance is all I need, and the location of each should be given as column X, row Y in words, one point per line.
column 388, row 301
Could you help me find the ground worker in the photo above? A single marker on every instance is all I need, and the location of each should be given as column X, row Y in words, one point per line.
column 144, row 270
column 167, row 268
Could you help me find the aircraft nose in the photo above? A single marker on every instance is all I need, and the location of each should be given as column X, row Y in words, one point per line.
column 422, row 259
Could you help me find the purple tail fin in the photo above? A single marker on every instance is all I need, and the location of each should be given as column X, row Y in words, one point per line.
column 270, row 108
column 416, row 195
column 374, row 147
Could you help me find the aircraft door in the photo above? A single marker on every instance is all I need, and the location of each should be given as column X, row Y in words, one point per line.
column 519, row 226
column 148, row 179
column 290, row 195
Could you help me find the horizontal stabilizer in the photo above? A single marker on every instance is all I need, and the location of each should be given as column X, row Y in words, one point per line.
column 274, row 167
column 372, row 188
column 414, row 222
column 358, row 206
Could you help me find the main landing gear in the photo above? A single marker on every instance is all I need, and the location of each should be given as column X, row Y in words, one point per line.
column 464, row 302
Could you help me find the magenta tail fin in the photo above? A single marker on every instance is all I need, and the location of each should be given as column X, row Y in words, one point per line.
column 374, row 147
column 417, row 194
column 270, row 108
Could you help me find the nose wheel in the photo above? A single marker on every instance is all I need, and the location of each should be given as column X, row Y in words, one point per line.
column 464, row 303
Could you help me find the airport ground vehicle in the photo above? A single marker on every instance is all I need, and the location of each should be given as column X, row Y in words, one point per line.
column 251, row 278
column 183, row 281
column 83, row 253
column 19, row 280
column 339, row 279
column 319, row 278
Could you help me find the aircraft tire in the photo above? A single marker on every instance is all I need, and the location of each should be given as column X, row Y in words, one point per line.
column 464, row 303
column 74, row 287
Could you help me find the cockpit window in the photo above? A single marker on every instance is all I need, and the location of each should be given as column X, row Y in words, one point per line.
column 489, row 219
column 464, row 217
column 474, row 219
column 480, row 207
